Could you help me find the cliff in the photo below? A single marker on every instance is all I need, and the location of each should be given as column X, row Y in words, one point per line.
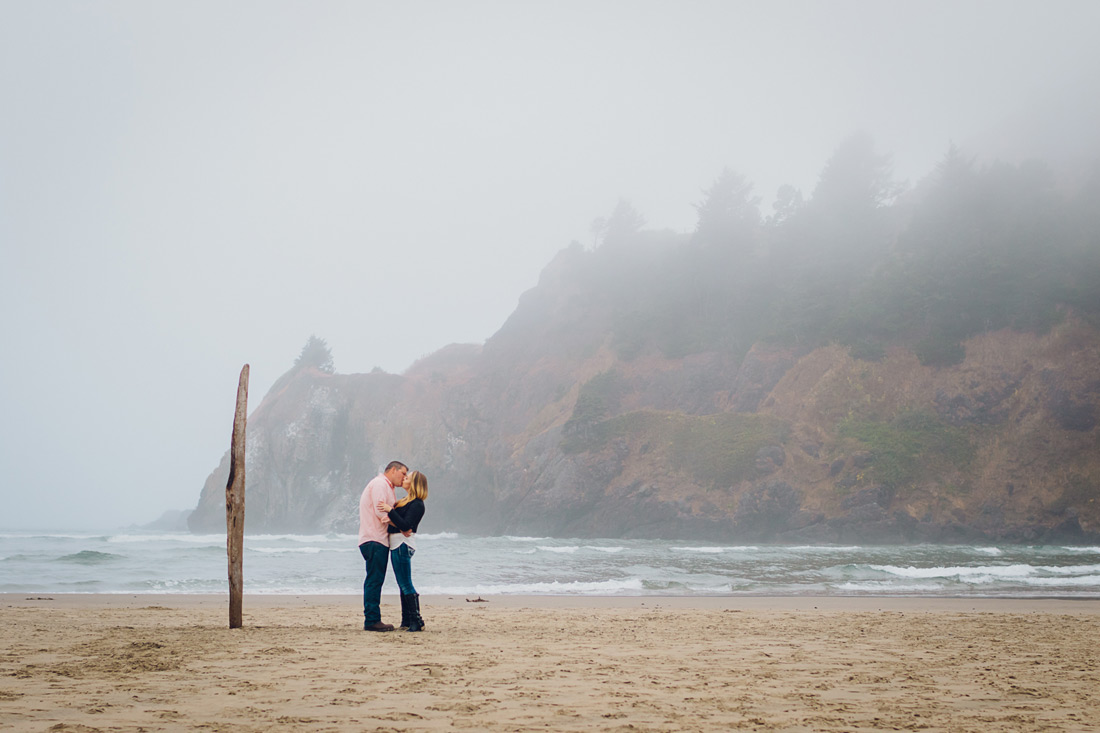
column 924, row 371
column 535, row 433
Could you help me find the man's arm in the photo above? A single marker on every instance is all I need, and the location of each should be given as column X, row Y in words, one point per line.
column 377, row 494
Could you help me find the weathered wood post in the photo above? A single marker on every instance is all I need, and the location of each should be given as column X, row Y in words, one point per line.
column 234, row 505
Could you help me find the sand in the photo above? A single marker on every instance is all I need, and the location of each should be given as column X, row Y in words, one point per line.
column 152, row 663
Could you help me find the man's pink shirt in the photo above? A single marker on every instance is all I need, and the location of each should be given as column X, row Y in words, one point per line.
column 373, row 523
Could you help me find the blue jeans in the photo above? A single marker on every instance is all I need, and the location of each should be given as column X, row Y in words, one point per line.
column 374, row 553
column 401, row 559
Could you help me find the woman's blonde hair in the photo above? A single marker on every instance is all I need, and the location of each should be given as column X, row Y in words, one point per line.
column 418, row 488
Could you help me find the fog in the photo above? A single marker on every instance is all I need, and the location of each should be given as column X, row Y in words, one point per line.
column 186, row 187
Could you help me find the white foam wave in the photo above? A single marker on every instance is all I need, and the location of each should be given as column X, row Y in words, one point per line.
column 298, row 537
column 195, row 539
column 569, row 550
column 1081, row 580
column 284, row 550
column 724, row 588
column 1069, row 569
column 52, row 535
column 438, row 536
column 989, row 573
column 873, row 586
column 716, row 550
column 604, row 549
column 1000, row 571
column 1089, row 550
column 824, row 548
column 602, row 587
column 989, row 550
column 511, row 538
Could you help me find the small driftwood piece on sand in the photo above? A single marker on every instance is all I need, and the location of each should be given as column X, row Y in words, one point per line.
column 234, row 505
column 479, row 599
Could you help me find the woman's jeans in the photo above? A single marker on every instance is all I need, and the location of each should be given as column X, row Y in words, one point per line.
column 401, row 560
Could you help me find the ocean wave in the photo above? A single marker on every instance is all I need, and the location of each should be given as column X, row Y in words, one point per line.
column 602, row 587
column 52, row 536
column 1079, row 580
column 438, row 536
column 567, row 550
column 283, row 550
column 1069, row 569
column 1089, row 550
column 604, row 549
column 998, row 572
column 993, row 571
column 198, row 539
column 989, row 550
column 823, row 548
column 511, row 538
column 219, row 539
column 879, row 586
column 708, row 589
column 311, row 538
column 716, row 550
column 90, row 557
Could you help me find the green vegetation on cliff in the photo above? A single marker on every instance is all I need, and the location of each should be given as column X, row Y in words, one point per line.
column 911, row 447
column 716, row 450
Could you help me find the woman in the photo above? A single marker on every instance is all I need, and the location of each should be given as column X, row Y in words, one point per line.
column 405, row 517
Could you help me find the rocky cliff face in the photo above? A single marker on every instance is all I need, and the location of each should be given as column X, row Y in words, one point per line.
column 550, row 429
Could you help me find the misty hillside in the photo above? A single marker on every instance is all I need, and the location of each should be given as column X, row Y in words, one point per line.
column 862, row 362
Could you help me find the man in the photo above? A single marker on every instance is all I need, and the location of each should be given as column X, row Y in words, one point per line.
column 374, row 543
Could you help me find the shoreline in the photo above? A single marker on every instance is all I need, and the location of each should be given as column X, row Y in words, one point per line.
column 942, row 604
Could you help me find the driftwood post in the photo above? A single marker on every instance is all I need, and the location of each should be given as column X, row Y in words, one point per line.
column 234, row 504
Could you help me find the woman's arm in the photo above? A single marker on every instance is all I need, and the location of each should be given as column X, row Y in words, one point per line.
column 406, row 517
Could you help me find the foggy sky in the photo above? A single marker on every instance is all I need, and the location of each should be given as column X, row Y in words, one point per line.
column 186, row 187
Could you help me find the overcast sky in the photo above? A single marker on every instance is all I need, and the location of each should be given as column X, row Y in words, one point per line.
column 189, row 186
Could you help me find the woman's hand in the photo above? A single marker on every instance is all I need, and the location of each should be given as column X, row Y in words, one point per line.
column 384, row 507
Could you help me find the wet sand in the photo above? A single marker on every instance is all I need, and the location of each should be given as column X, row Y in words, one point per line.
column 170, row 662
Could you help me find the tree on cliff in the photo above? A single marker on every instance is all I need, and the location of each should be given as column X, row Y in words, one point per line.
column 729, row 212
column 315, row 354
column 829, row 248
column 623, row 224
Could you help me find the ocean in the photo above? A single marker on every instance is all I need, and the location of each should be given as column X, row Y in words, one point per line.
column 454, row 564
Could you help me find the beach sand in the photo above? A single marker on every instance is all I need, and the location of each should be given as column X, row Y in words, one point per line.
column 170, row 662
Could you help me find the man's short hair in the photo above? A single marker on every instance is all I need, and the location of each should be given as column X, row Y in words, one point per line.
column 395, row 464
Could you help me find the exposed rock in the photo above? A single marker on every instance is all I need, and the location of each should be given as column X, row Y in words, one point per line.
column 761, row 370
column 985, row 402
column 769, row 459
column 1070, row 413
column 860, row 459
column 879, row 496
column 766, row 510
column 864, row 513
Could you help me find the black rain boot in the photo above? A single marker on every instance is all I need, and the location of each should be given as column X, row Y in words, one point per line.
column 406, row 605
column 415, row 622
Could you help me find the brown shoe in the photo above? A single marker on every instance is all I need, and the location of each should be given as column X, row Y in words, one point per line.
column 378, row 626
